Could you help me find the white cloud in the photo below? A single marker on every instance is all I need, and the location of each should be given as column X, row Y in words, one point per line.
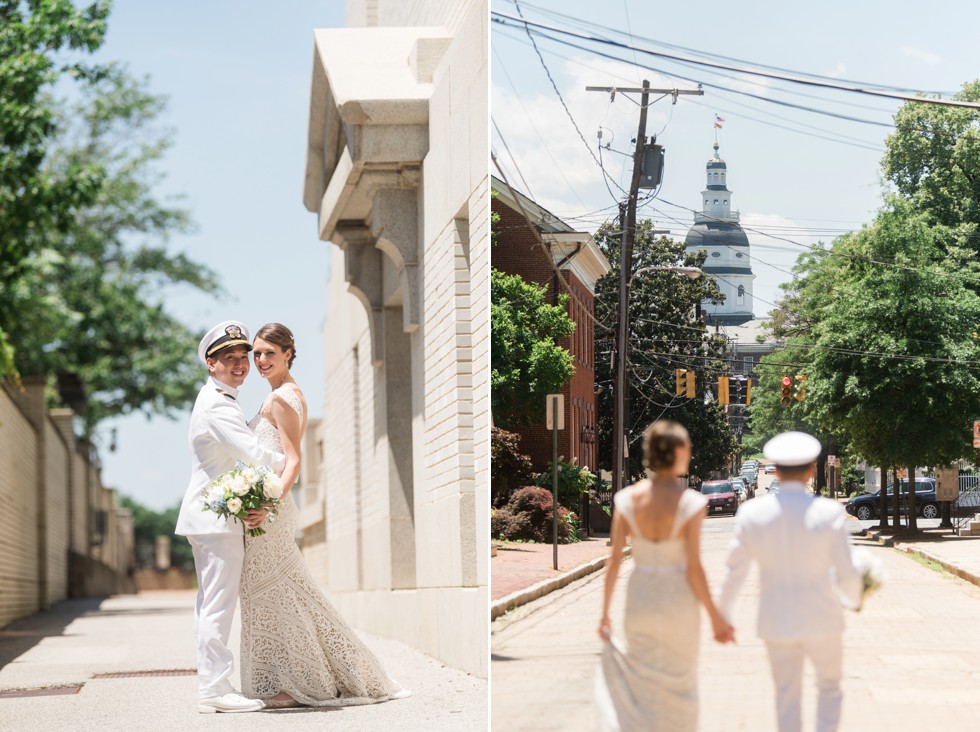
column 549, row 153
column 838, row 71
column 925, row 57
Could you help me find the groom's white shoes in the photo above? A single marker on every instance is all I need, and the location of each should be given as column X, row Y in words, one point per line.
column 229, row 703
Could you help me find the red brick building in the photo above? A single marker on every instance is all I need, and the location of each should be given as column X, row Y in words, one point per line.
column 577, row 256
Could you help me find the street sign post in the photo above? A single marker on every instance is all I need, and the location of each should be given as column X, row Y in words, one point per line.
column 555, row 420
column 947, row 491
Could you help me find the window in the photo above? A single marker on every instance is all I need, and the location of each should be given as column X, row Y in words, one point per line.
column 738, row 255
column 741, row 294
column 747, row 364
column 715, row 254
column 716, row 200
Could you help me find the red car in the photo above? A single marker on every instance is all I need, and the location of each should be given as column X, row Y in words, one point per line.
column 721, row 496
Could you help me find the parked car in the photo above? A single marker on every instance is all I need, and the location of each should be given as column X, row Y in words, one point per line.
column 721, row 496
column 865, row 506
column 770, row 468
column 774, row 487
column 754, row 464
column 739, row 485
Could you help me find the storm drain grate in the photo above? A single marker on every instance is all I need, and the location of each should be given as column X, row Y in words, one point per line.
column 47, row 691
column 140, row 674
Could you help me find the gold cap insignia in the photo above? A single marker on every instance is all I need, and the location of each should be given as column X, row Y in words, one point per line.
column 233, row 331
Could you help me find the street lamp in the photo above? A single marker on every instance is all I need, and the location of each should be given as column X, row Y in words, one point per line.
column 619, row 412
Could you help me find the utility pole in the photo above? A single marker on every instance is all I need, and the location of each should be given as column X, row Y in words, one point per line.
column 625, row 271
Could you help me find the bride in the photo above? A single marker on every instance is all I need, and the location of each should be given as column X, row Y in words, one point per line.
column 296, row 649
column 648, row 680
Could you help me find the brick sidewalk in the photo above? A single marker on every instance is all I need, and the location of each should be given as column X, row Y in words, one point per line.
column 518, row 566
column 911, row 663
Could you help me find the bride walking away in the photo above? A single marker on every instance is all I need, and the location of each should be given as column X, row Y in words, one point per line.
column 296, row 649
column 648, row 678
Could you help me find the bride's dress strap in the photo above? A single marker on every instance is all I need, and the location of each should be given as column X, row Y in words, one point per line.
column 292, row 398
column 689, row 504
column 623, row 501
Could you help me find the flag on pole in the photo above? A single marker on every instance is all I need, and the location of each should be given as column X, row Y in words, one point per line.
column 718, row 121
column 717, row 126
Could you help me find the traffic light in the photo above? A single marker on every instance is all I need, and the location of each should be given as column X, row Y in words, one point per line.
column 748, row 390
column 800, row 394
column 723, row 390
column 689, row 384
column 786, row 392
column 681, row 376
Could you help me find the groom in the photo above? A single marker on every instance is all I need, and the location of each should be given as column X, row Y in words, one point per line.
column 219, row 436
column 805, row 564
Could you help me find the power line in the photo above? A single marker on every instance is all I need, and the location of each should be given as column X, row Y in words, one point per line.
column 876, row 90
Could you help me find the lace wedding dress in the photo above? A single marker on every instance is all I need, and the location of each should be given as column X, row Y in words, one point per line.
column 293, row 640
column 648, row 679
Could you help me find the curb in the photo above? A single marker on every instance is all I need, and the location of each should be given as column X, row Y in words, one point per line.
column 522, row 597
column 951, row 568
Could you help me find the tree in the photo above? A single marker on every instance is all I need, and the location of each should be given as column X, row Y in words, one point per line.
column 664, row 334
column 90, row 299
column 894, row 350
column 527, row 363
column 933, row 159
column 34, row 199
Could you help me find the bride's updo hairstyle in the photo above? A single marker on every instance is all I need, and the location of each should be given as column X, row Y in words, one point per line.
column 279, row 335
column 660, row 443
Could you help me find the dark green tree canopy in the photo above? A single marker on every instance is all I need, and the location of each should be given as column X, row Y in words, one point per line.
column 527, row 362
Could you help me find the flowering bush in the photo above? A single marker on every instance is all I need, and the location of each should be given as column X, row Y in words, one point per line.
column 573, row 481
column 528, row 517
column 240, row 490
column 510, row 469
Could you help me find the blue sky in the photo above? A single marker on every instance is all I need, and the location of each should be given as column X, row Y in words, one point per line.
column 786, row 183
column 238, row 77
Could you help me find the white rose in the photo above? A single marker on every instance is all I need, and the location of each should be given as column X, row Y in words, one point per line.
column 239, row 485
column 250, row 476
column 234, row 505
column 273, row 486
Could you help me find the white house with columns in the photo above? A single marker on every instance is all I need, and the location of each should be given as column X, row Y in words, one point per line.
column 395, row 494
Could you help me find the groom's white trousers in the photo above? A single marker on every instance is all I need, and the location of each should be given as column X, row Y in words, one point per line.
column 218, row 560
column 786, row 661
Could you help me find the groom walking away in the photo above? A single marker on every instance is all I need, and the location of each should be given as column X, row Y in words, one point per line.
column 219, row 436
column 805, row 564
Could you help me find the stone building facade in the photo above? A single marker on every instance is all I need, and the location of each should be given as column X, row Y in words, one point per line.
column 395, row 498
column 67, row 537
column 577, row 256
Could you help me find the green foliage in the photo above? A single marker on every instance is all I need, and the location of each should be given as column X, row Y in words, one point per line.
column 527, row 363
column 36, row 201
column 148, row 525
column 573, row 483
column 933, row 159
column 91, row 299
column 664, row 335
column 510, row 469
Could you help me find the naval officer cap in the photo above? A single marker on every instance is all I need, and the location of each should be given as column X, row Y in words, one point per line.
column 792, row 449
column 223, row 335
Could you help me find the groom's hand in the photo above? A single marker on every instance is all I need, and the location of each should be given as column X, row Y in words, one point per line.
column 256, row 517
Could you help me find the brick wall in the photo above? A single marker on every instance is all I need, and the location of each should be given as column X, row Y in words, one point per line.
column 53, row 491
column 517, row 252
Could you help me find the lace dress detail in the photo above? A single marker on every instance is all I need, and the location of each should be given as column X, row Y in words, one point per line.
column 293, row 639
column 647, row 680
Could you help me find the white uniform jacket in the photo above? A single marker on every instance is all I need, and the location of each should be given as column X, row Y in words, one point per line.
column 219, row 435
column 805, row 564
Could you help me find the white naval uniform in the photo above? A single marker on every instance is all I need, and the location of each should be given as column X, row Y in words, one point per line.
column 219, row 435
column 805, row 565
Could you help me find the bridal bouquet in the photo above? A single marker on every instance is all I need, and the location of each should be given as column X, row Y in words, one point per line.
column 244, row 488
column 872, row 574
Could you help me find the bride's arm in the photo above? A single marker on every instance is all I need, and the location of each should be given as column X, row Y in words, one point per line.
column 618, row 541
column 723, row 632
column 290, row 427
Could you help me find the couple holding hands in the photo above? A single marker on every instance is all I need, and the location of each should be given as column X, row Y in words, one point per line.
column 647, row 679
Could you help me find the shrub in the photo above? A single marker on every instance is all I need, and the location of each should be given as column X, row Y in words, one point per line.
column 510, row 469
column 528, row 517
column 573, row 481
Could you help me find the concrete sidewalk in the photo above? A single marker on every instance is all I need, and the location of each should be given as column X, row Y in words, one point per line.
column 154, row 632
column 517, row 565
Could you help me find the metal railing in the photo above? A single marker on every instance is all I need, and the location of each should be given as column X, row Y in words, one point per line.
column 967, row 505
